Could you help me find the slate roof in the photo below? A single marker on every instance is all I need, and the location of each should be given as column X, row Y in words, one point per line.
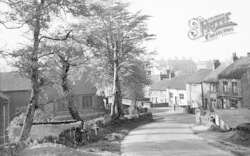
column 155, row 78
column 213, row 76
column 175, row 83
column 199, row 76
column 237, row 69
column 160, row 86
column 178, row 82
column 234, row 117
column 13, row 81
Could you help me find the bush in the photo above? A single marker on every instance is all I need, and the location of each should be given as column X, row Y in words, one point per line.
column 133, row 111
column 14, row 126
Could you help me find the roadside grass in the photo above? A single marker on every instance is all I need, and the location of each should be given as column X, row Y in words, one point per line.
column 50, row 149
column 109, row 144
column 40, row 131
column 223, row 140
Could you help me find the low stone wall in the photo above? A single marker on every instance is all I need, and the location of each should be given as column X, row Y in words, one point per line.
column 160, row 105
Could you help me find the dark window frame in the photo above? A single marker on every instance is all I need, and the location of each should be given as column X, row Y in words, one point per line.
column 181, row 96
column 225, row 86
column 171, row 95
column 234, row 87
column 87, row 101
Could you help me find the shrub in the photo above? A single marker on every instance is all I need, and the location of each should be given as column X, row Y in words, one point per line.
column 14, row 129
column 95, row 130
column 133, row 111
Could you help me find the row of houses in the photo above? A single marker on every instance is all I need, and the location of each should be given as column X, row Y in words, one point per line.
column 222, row 87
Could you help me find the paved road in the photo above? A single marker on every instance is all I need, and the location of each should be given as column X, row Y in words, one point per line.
column 170, row 135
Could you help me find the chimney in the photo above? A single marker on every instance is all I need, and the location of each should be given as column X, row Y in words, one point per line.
column 234, row 57
column 216, row 64
column 248, row 54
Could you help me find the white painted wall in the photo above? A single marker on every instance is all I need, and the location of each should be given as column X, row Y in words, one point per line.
column 194, row 94
column 158, row 97
column 155, row 71
column 176, row 93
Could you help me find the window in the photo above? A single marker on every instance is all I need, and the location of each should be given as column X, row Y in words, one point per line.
column 212, row 87
column 170, row 95
column 233, row 103
column 181, row 96
column 234, row 87
column 225, row 86
column 87, row 101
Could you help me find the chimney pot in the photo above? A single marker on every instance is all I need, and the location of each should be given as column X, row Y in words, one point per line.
column 216, row 64
column 234, row 57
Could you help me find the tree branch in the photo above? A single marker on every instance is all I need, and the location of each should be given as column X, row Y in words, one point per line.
column 7, row 27
column 56, row 39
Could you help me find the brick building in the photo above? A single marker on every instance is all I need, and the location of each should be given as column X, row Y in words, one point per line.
column 234, row 84
column 210, row 87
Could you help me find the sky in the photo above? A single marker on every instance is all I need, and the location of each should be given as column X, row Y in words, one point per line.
column 169, row 22
column 170, row 19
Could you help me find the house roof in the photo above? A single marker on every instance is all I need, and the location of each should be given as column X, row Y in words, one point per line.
column 198, row 76
column 237, row 69
column 155, row 78
column 234, row 117
column 13, row 81
column 84, row 85
column 213, row 76
column 160, row 86
column 179, row 82
column 175, row 83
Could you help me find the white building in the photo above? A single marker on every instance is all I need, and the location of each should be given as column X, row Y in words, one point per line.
column 194, row 88
column 176, row 91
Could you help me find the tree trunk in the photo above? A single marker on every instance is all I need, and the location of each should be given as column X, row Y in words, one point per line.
column 116, row 110
column 119, row 101
column 115, row 93
column 34, row 77
column 68, row 94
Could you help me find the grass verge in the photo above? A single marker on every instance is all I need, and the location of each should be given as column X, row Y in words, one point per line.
column 111, row 144
column 224, row 140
